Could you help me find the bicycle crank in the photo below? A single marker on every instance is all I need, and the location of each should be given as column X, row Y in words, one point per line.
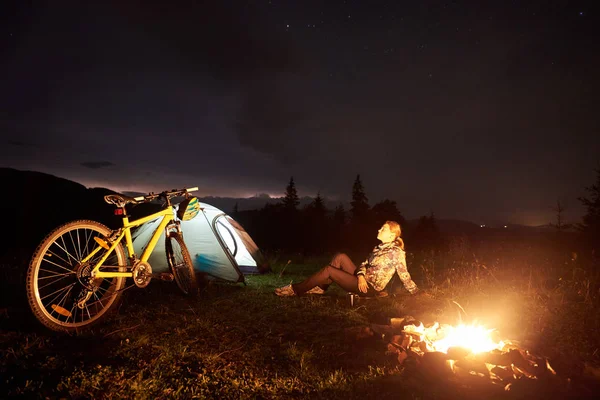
column 142, row 274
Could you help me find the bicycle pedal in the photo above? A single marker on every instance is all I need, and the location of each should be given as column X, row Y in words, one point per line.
column 164, row 276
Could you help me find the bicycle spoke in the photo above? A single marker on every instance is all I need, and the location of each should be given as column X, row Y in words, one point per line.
column 87, row 242
column 88, row 312
column 56, row 291
column 79, row 244
column 57, row 279
column 96, row 296
column 105, row 290
column 75, row 246
column 52, row 283
column 53, row 253
column 64, row 298
column 53, row 274
column 64, row 248
column 59, row 266
column 59, row 294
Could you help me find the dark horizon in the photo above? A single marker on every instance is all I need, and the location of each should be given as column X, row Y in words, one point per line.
column 478, row 112
column 258, row 201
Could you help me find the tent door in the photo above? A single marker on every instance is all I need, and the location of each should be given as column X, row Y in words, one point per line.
column 226, row 235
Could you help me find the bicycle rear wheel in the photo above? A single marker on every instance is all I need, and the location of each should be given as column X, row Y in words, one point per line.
column 57, row 280
column 180, row 264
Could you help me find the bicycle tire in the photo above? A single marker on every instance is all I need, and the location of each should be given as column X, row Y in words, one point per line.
column 180, row 264
column 62, row 278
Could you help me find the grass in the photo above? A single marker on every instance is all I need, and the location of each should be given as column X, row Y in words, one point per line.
column 237, row 341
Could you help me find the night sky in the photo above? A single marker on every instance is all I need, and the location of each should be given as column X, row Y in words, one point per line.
column 482, row 110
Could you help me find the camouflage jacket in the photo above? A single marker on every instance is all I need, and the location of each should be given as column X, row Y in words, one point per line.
column 385, row 260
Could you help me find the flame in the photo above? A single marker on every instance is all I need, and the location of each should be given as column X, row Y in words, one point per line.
column 474, row 338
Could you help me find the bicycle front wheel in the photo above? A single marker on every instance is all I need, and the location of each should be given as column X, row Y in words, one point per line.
column 60, row 290
column 180, row 263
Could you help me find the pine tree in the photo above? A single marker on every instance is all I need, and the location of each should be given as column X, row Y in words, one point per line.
column 315, row 226
column 317, row 206
column 386, row 210
column 318, row 202
column 360, row 202
column 291, row 200
column 591, row 220
column 339, row 216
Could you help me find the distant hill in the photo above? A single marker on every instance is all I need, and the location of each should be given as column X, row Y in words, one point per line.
column 452, row 226
column 37, row 202
column 227, row 204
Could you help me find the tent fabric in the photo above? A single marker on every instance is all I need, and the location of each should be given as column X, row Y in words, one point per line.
column 218, row 245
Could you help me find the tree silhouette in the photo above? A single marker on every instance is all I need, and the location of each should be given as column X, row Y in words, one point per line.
column 560, row 224
column 339, row 217
column 316, row 226
column 590, row 226
column 291, row 200
column 360, row 202
column 426, row 233
column 386, row 210
column 338, row 228
column 318, row 206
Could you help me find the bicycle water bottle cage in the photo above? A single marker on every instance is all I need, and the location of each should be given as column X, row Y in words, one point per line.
column 188, row 209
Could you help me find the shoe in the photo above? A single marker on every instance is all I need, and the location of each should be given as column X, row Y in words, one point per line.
column 315, row 290
column 285, row 291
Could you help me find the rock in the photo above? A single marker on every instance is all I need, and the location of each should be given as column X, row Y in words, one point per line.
column 382, row 330
column 402, row 356
column 457, row 353
column 391, row 349
column 472, row 365
column 504, row 373
column 495, row 357
column 434, row 364
column 403, row 341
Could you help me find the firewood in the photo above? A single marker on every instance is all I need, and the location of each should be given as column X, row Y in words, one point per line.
column 457, row 353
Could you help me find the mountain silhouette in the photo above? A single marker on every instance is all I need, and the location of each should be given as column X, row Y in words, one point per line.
column 37, row 202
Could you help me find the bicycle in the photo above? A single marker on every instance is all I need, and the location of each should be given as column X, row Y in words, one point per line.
column 78, row 272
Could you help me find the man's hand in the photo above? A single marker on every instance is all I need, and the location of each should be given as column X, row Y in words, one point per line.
column 362, row 284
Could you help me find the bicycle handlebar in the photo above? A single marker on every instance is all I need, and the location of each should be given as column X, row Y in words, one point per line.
column 166, row 194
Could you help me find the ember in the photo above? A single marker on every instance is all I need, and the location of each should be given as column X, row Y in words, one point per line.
column 475, row 338
column 469, row 353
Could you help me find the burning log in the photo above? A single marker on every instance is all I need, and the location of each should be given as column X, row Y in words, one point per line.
column 468, row 355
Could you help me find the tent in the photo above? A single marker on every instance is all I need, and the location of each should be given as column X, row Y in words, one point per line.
column 218, row 245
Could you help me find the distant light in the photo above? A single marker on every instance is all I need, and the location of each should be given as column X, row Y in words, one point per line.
column 482, row 226
column 505, row 226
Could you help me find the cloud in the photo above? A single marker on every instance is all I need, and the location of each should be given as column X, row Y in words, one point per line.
column 97, row 164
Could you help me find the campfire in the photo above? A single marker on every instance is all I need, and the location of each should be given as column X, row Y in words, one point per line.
column 470, row 355
column 474, row 338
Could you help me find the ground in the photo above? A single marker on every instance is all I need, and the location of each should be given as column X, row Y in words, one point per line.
column 242, row 341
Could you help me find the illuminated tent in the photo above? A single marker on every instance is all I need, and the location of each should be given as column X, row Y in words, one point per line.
column 218, row 245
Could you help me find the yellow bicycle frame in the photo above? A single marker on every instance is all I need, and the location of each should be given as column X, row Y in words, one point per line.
column 167, row 217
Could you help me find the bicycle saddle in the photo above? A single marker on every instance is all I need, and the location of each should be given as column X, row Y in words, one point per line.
column 119, row 200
